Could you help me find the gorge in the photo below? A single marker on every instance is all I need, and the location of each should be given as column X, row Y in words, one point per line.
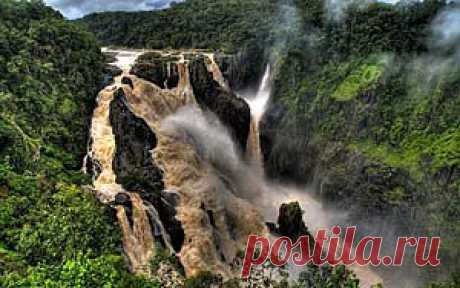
column 201, row 166
column 218, row 119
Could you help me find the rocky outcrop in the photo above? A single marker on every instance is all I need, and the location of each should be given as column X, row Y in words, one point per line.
column 290, row 221
column 133, row 161
column 161, row 68
column 149, row 136
column 158, row 68
column 241, row 69
column 134, row 167
column 231, row 110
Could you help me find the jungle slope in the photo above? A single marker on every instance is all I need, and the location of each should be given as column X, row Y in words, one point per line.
column 53, row 231
column 235, row 27
column 366, row 108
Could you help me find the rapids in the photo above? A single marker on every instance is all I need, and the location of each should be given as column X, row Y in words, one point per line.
column 201, row 164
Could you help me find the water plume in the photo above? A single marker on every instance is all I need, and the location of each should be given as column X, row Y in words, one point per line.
column 445, row 31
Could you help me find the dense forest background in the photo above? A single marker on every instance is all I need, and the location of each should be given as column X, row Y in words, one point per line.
column 372, row 103
column 366, row 107
column 54, row 233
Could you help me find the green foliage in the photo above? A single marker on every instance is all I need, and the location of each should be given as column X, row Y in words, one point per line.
column 205, row 279
column 369, row 107
column 36, row 111
column 325, row 276
column 358, row 81
column 453, row 283
column 210, row 24
column 107, row 271
column 67, row 222
column 53, row 232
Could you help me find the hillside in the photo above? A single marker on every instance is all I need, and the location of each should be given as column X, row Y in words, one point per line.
column 364, row 112
column 367, row 111
column 53, row 232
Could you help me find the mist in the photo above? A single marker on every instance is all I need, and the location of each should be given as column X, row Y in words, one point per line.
column 336, row 8
column 446, row 32
column 215, row 146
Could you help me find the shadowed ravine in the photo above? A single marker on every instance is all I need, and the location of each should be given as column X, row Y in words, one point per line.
column 200, row 163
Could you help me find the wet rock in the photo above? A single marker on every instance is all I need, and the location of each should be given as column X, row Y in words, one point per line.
column 272, row 228
column 290, row 221
column 135, row 169
column 170, row 198
column 92, row 166
column 232, row 111
column 110, row 72
column 268, row 129
column 122, row 199
column 133, row 162
column 110, row 57
column 127, row 81
column 241, row 69
column 168, row 213
column 158, row 69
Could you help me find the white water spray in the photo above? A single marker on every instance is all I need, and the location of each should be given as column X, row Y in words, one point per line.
column 259, row 102
column 316, row 216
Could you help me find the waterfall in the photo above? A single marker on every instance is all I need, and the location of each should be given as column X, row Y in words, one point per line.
column 208, row 205
column 316, row 216
column 201, row 165
column 138, row 239
column 258, row 104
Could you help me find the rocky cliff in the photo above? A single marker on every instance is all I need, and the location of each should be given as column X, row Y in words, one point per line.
column 156, row 170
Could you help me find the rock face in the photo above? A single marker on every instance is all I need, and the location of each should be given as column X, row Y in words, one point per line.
column 231, row 110
column 133, row 161
column 290, row 221
column 286, row 151
column 242, row 69
column 110, row 72
column 134, row 167
column 157, row 68
column 148, row 133
column 161, row 68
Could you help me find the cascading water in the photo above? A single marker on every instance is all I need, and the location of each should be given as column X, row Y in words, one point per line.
column 138, row 239
column 207, row 207
column 102, row 150
column 258, row 104
column 275, row 195
column 201, row 165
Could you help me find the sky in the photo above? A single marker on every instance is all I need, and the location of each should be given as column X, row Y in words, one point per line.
column 73, row 9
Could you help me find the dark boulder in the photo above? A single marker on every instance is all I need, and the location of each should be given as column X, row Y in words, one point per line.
column 127, row 81
column 110, row 72
column 122, row 199
column 290, row 221
column 170, row 200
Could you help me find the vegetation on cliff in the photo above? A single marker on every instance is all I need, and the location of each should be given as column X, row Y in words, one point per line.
column 53, row 233
column 354, row 105
column 370, row 103
column 207, row 24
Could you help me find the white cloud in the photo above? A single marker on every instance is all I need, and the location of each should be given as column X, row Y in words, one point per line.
column 77, row 8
